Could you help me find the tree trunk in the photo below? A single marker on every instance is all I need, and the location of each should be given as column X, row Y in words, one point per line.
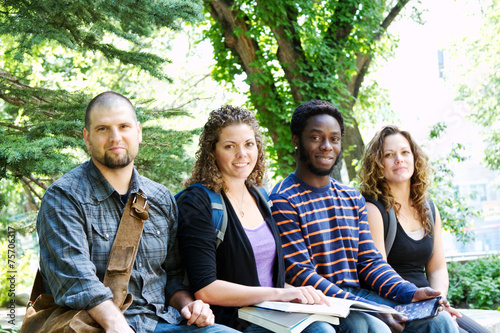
column 353, row 148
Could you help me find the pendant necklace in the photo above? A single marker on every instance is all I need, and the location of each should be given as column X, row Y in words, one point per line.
column 242, row 213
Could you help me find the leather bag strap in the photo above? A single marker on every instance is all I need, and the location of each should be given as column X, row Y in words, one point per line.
column 125, row 247
column 123, row 252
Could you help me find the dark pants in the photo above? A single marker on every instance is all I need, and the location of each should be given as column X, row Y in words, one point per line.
column 468, row 325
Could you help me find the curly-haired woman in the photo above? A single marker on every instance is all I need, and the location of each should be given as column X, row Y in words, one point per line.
column 395, row 173
column 247, row 267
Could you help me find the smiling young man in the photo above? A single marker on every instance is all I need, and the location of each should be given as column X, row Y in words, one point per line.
column 78, row 221
column 324, row 230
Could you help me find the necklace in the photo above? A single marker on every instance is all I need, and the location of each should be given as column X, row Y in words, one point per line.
column 242, row 213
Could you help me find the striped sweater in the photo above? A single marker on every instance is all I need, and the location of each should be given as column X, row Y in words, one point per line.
column 327, row 242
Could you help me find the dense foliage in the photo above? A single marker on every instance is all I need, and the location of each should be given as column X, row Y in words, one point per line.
column 475, row 284
column 295, row 51
column 56, row 55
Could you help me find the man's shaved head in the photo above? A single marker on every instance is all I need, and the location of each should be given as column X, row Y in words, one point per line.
column 107, row 100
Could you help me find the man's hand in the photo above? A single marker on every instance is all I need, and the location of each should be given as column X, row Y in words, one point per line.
column 393, row 321
column 110, row 318
column 198, row 313
column 425, row 293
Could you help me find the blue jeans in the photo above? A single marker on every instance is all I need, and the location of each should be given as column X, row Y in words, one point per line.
column 163, row 327
column 442, row 323
column 361, row 322
column 316, row 327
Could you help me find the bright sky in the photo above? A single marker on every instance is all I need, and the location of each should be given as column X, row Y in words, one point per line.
column 418, row 96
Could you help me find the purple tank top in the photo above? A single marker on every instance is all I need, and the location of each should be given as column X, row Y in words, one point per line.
column 264, row 249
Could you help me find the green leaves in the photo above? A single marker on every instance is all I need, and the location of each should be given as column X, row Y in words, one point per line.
column 56, row 55
column 297, row 51
column 475, row 284
column 456, row 213
column 88, row 25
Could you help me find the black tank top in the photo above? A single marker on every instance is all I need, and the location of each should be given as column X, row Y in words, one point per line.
column 408, row 257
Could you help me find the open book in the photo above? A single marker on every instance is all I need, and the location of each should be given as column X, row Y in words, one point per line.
column 282, row 322
column 338, row 308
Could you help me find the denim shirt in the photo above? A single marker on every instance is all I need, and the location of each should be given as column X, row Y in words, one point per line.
column 77, row 224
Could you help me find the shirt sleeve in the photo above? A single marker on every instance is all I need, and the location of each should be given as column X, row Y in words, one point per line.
column 197, row 238
column 374, row 270
column 300, row 270
column 64, row 253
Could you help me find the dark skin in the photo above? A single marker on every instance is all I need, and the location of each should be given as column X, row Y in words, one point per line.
column 321, row 140
column 318, row 149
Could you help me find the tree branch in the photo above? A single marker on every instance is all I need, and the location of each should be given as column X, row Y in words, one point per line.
column 363, row 61
column 12, row 81
column 27, row 182
column 339, row 29
column 241, row 45
column 38, row 182
column 19, row 128
column 176, row 108
column 244, row 48
column 395, row 11
column 290, row 52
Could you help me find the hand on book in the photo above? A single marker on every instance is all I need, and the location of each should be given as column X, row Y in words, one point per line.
column 303, row 295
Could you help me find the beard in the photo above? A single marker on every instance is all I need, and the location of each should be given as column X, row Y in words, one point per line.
column 112, row 161
column 303, row 157
column 117, row 162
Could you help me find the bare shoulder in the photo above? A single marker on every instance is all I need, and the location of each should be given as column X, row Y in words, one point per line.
column 373, row 211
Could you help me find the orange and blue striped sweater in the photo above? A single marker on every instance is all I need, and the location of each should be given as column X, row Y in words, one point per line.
column 327, row 242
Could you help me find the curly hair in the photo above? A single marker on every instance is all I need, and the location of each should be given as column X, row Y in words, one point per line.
column 373, row 184
column 312, row 108
column 205, row 169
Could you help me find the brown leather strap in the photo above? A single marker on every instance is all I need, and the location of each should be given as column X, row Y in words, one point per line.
column 125, row 247
column 122, row 254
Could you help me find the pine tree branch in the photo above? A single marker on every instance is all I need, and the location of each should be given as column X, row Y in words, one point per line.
column 9, row 81
column 30, row 199
column 19, row 128
column 181, row 94
column 27, row 182
column 179, row 108
column 38, row 182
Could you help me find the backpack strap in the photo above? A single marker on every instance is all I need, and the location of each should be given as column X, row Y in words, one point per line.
column 263, row 195
column 219, row 212
column 219, row 216
column 390, row 223
column 432, row 208
column 391, row 232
